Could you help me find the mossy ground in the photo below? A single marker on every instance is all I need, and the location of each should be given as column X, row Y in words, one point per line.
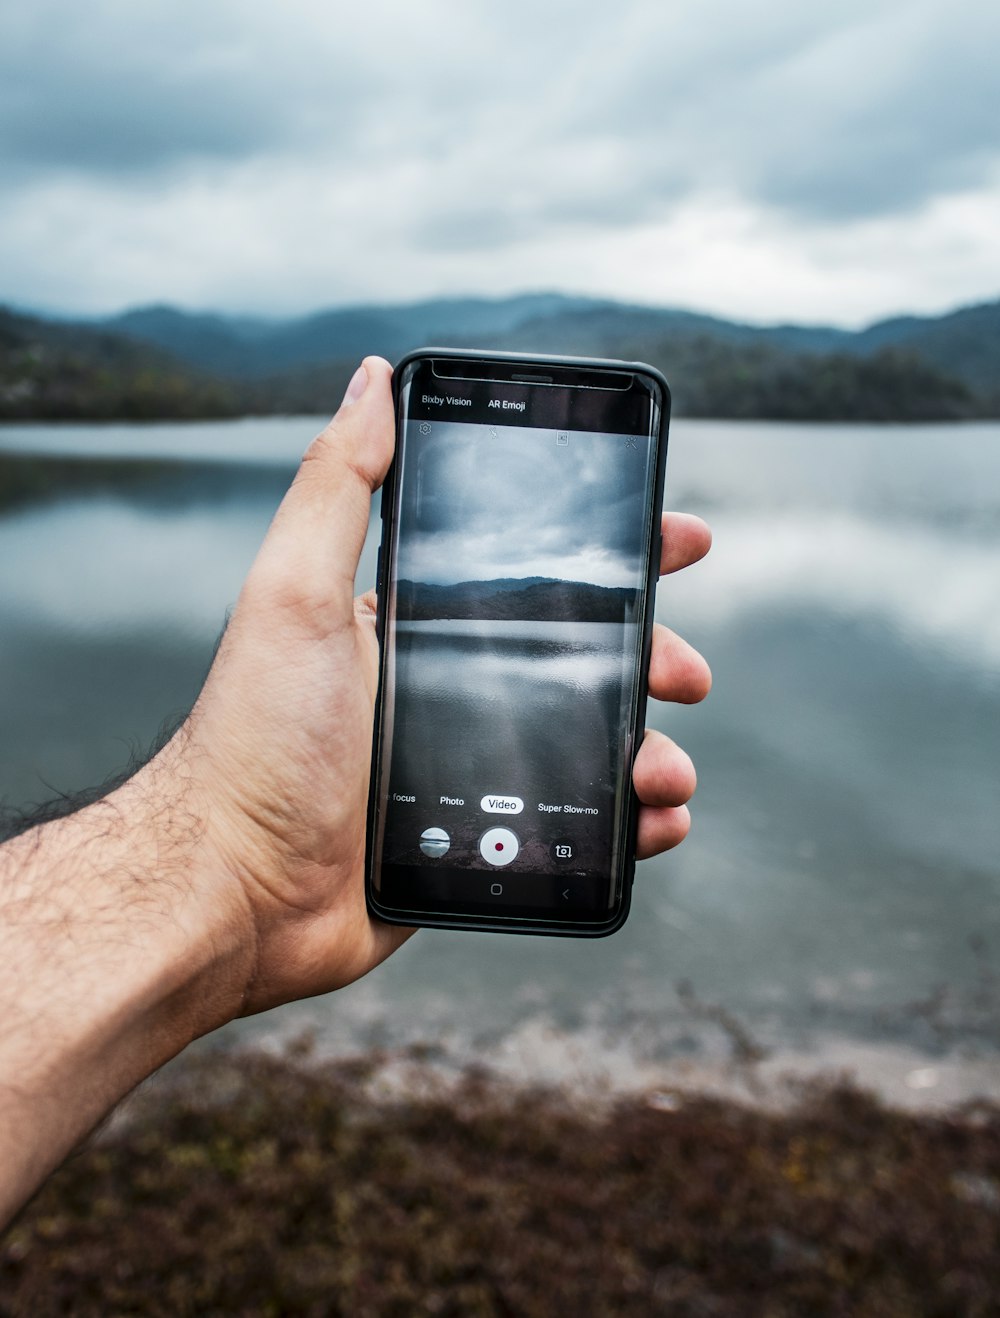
column 257, row 1185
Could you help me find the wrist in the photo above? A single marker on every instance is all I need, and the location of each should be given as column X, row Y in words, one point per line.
column 188, row 911
column 122, row 938
column 120, row 942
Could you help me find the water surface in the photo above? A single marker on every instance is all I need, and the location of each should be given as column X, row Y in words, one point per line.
column 842, row 879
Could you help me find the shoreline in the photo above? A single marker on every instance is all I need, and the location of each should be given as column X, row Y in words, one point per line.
column 590, row 1068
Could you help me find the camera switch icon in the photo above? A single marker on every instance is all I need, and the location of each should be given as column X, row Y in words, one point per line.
column 563, row 850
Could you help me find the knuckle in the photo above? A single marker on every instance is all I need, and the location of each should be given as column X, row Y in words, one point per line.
column 318, row 448
column 295, row 599
column 333, row 451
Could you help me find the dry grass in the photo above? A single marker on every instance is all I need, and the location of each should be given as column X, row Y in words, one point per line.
column 258, row 1186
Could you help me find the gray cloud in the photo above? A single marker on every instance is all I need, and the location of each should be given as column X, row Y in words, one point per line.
column 851, row 111
column 465, row 514
column 856, row 111
column 112, row 89
column 245, row 154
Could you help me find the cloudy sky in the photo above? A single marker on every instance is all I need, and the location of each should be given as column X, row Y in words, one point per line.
column 589, row 526
column 765, row 161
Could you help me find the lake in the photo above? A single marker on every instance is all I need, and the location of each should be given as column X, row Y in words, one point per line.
column 838, row 901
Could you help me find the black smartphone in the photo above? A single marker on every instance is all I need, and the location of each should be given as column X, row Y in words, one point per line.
column 519, row 559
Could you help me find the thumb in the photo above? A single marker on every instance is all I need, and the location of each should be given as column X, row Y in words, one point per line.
column 315, row 541
column 360, row 436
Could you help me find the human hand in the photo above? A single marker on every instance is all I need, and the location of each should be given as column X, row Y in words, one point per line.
column 227, row 876
column 277, row 750
column 663, row 775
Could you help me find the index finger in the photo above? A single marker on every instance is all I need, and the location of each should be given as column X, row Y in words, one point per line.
column 686, row 539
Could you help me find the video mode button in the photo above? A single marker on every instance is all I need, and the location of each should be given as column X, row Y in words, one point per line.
column 501, row 805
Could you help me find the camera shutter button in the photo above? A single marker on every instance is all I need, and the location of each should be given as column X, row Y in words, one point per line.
column 499, row 846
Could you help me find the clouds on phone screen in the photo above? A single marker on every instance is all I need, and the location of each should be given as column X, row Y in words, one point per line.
column 521, row 505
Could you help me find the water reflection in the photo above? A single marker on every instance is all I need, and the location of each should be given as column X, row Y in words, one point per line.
column 844, row 867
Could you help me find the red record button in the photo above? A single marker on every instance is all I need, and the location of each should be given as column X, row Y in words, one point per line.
column 499, row 846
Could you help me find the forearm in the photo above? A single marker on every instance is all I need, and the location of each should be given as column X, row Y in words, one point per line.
column 120, row 942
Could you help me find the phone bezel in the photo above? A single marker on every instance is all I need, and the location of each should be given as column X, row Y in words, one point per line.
column 533, row 924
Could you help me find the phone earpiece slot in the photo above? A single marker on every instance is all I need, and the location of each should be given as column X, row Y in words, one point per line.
column 483, row 370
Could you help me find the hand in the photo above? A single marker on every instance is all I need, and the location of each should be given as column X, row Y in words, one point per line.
column 664, row 776
column 227, row 876
column 279, row 744
column 278, row 747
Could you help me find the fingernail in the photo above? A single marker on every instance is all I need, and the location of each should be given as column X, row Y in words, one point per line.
column 359, row 383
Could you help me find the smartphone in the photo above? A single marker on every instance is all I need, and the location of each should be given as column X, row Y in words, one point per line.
column 519, row 559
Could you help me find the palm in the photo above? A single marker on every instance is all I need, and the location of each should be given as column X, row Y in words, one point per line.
column 279, row 745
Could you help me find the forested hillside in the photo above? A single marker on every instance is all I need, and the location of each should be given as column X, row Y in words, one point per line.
column 161, row 363
column 53, row 371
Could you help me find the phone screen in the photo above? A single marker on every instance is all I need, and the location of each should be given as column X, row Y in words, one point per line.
column 519, row 542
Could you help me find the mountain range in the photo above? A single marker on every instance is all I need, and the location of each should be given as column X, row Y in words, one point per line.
column 965, row 342
column 514, row 599
column 163, row 361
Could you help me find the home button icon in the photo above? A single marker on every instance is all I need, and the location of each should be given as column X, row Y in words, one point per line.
column 496, row 889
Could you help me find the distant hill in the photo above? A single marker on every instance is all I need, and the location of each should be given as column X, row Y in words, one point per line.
column 511, row 599
column 161, row 361
column 244, row 346
column 964, row 343
column 55, row 371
